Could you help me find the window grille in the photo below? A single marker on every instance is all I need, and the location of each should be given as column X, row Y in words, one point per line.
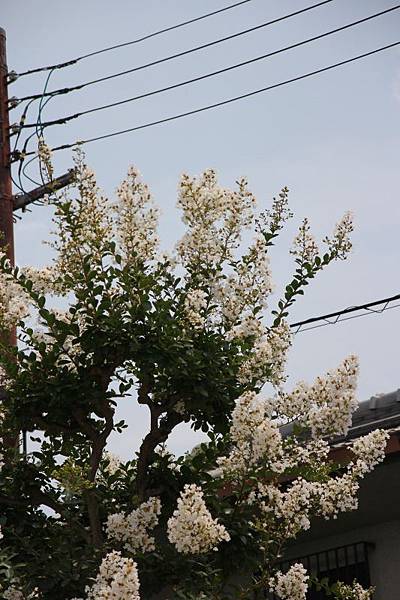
column 344, row 563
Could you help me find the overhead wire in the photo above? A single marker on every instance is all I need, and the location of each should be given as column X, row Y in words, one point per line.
column 335, row 317
column 22, row 119
column 22, row 168
column 135, row 41
column 164, row 59
column 67, row 118
column 40, row 128
column 227, row 101
column 323, row 320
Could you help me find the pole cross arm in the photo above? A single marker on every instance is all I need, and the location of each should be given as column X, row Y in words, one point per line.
column 20, row 201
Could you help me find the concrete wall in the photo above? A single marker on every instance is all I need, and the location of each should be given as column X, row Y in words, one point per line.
column 383, row 554
column 376, row 521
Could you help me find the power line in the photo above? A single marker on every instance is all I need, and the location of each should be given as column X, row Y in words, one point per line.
column 135, row 41
column 224, row 102
column 178, row 54
column 336, row 317
column 63, row 120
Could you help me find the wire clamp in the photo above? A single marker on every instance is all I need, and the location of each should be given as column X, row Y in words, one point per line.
column 15, row 128
column 17, row 155
column 12, row 76
column 13, row 102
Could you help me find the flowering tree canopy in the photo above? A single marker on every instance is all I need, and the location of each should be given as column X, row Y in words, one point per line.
column 191, row 336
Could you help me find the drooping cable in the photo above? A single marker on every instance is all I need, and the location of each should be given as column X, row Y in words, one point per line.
column 164, row 59
column 67, row 118
column 342, row 315
column 135, row 41
column 228, row 101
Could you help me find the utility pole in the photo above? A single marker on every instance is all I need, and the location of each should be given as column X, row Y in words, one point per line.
column 6, row 198
column 8, row 202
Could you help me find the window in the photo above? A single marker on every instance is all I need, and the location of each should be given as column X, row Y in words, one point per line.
column 344, row 563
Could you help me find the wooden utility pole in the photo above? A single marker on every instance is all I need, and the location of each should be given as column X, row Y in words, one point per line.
column 6, row 198
column 8, row 202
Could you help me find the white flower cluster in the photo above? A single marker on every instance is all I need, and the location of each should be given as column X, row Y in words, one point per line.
column 132, row 529
column 13, row 301
column 355, row 591
column 255, row 367
column 249, row 326
column 337, row 495
column 4, row 383
column 268, row 358
column 117, row 579
column 249, row 286
column 304, row 245
column 113, row 462
column 296, row 505
column 256, row 438
column 163, row 452
column 369, row 451
column 291, row 585
column 44, row 279
column 215, row 218
column 15, row 593
column 292, row 509
column 280, row 340
column 340, row 243
column 45, row 162
column 306, row 250
column 327, row 406
column 311, row 453
column 136, row 218
column 191, row 528
column 87, row 227
column 195, row 305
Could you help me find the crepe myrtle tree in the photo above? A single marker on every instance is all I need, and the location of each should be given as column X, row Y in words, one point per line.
column 189, row 336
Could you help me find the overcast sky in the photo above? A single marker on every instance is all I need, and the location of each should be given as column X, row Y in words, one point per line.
column 332, row 139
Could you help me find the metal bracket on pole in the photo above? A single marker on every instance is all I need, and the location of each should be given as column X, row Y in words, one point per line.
column 21, row 201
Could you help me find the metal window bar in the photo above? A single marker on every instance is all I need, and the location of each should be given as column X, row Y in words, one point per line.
column 343, row 563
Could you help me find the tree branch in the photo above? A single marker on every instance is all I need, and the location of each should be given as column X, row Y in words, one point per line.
column 38, row 498
column 99, row 441
column 85, row 425
column 94, row 517
column 157, row 435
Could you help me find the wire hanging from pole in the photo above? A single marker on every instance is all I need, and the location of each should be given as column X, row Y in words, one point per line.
column 165, row 59
column 135, row 41
column 67, row 118
column 223, row 102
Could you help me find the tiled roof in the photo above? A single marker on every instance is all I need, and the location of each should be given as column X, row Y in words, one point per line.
column 381, row 411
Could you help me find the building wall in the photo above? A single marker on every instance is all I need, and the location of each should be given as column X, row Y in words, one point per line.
column 383, row 554
column 377, row 521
